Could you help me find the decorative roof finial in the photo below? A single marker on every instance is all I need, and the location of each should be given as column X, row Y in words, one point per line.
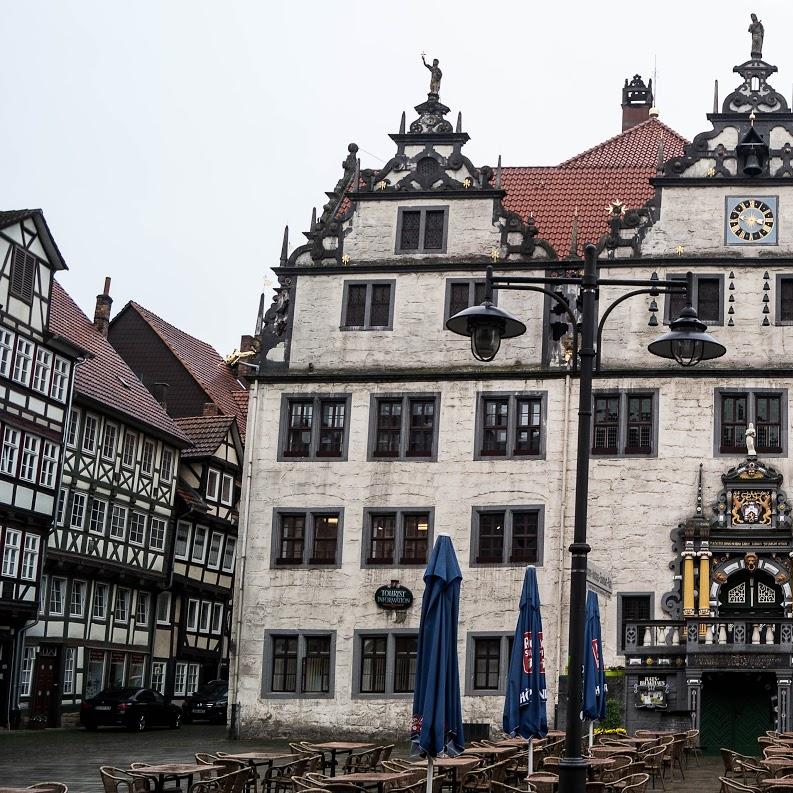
column 313, row 218
column 659, row 163
column 715, row 96
column 285, row 247
column 498, row 173
column 459, row 121
column 436, row 75
column 758, row 32
column 402, row 124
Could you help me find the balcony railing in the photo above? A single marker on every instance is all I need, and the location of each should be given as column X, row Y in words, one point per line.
column 653, row 634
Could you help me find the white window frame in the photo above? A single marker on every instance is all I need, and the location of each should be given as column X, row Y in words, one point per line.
column 217, row 618
column 10, row 454
column 30, row 557
column 180, row 679
column 158, row 672
column 125, row 449
column 204, row 531
column 96, row 505
column 160, row 544
column 43, row 595
column 26, row 672
column 213, row 484
column 193, row 671
column 29, row 461
column 41, row 371
column 229, row 555
column 123, row 599
column 142, row 600
column 69, row 659
column 79, row 588
column 23, row 361
column 60, row 379
column 73, row 428
column 12, row 541
column 227, row 479
column 60, row 509
column 103, row 601
column 166, row 470
column 182, row 524
column 115, row 510
column 92, row 421
column 109, row 431
column 50, row 455
column 147, row 458
column 77, row 498
column 6, row 352
column 132, row 517
column 204, row 612
column 215, row 564
column 191, row 622
column 164, row 603
column 57, row 586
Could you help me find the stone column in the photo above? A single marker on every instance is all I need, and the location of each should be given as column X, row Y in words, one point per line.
column 783, row 704
column 694, row 685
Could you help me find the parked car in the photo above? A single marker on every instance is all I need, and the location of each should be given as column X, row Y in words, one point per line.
column 209, row 702
column 133, row 708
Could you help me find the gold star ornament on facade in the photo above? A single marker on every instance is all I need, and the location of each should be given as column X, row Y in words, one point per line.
column 615, row 207
column 345, row 259
column 495, row 254
column 680, row 250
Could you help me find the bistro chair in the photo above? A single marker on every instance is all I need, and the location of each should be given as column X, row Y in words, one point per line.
column 115, row 780
column 653, row 760
column 616, row 771
column 50, row 787
column 551, row 764
column 235, row 782
column 540, row 783
column 362, row 762
column 635, row 783
column 501, row 787
column 595, row 787
column 733, row 786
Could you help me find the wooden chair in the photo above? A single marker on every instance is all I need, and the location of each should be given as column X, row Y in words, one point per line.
column 50, row 787
column 278, row 778
column 635, row 783
column 733, row 786
column 115, row 780
column 653, row 760
column 501, row 787
column 362, row 762
column 235, row 782
column 616, row 771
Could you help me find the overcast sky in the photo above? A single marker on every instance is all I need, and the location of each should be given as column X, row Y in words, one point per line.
column 169, row 141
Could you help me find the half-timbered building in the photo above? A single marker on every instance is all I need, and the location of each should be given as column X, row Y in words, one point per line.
column 36, row 375
column 108, row 556
column 368, row 409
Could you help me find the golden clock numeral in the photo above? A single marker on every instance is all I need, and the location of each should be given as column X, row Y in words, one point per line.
column 752, row 203
column 735, row 225
column 767, row 227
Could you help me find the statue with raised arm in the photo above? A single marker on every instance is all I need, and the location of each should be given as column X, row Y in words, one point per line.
column 750, row 449
column 757, row 31
column 435, row 80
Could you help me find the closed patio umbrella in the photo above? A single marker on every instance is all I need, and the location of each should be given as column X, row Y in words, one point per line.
column 526, row 696
column 594, row 705
column 437, row 723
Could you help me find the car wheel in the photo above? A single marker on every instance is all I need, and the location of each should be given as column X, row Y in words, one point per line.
column 187, row 719
column 176, row 722
column 138, row 724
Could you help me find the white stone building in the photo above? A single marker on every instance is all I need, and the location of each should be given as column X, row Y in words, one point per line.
column 371, row 428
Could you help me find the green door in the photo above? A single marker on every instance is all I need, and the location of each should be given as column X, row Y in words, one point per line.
column 736, row 709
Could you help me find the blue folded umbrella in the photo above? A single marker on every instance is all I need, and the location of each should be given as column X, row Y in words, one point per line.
column 437, row 724
column 526, row 696
column 594, row 705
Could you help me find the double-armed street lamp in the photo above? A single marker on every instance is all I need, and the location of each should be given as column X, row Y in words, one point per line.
column 687, row 342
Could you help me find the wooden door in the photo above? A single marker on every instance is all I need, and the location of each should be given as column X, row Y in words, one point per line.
column 45, row 702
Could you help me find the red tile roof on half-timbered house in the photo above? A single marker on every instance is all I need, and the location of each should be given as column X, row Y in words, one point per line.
column 104, row 377
column 617, row 169
column 206, row 432
column 204, row 364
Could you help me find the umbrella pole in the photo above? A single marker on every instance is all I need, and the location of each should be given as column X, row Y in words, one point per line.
column 430, row 768
column 531, row 755
column 591, row 733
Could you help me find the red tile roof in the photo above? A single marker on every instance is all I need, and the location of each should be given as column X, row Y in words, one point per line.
column 105, row 378
column 617, row 169
column 206, row 433
column 205, row 366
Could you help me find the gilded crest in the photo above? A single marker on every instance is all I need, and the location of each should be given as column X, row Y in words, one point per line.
column 751, row 507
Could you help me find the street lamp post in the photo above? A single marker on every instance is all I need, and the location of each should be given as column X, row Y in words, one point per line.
column 687, row 342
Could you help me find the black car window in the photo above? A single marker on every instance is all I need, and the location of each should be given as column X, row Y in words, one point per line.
column 146, row 696
column 117, row 693
column 158, row 698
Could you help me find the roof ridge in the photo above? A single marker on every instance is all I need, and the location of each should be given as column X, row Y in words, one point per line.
column 144, row 310
column 653, row 120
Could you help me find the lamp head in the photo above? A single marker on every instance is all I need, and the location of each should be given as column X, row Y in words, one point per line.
column 486, row 325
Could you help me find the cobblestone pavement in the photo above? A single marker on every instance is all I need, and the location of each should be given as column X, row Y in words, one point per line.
column 73, row 756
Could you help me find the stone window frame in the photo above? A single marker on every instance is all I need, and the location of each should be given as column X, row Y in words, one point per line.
column 399, row 539
column 422, row 225
column 316, row 398
column 308, row 513
column 682, row 277
column 266, row 691
column 470, row 666
column 513, row 397
column 778, row 298
column 508, row 509
column 368, row 283
column 405, row 396
column 391, row 635
column 447, row 300
column 782, row 393
column 624, row 393
column 620, row 627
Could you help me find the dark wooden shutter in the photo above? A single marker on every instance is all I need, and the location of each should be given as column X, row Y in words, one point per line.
column 23, row 273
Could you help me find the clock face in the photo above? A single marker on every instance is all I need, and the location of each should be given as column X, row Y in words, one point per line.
column 751, row 220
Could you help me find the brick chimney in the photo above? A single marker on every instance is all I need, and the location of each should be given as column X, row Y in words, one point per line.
column 211, row 409
column 160, row 393
column 637, row 102
column 102, row 310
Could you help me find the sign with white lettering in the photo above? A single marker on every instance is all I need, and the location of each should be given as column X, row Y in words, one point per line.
column 393, row 597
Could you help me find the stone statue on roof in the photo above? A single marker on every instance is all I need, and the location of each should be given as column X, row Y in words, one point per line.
column 758, row 31
column 435, row 80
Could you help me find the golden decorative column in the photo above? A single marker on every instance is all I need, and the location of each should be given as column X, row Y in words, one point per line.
column 704, row 583
column 689, row 609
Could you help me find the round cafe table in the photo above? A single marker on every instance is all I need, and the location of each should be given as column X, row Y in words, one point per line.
column 598, row 764
column 166, row 772
column 457, row 765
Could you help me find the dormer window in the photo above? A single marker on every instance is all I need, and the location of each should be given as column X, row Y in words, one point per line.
column 23, row 274
column 422, row 230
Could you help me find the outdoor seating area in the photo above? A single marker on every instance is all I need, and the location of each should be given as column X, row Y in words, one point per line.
column 771, row 769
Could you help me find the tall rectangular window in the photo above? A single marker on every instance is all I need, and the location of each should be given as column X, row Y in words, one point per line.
column 389, row 428
column 203, row 618
column 192, row 615
column 69, row 654
column 118, row 522
column 180, row 679
column 122, row 605
column 147, row 458
column 23, row 274
column 734, row 421
column 606, row 424
column 166, row 467
column 60, row 379
column 23, row 361
column 422, row 230
column 199, row 544
column 89, row 433
column 137, row 528
column 510, row 425
column 421, row 427
column 639, row 424
column 158, row 676
column 26, row 672
column 491, row 537
column 61, row 508
column 6, row 352
column 368, row 305
column 284, row 677
column 373, row 664
column 316, row 665
column 41, row 371
column 405, row 653
column 10, row 454
column 765, row 410
column 128, row 450
column 228, row 555
column 298, row 434
column 11, row 552
column 164, row 608
column 157, row 534
column 707, row 299
column 217, row 618
column 215, row 544
column 78, row 510
column 227, row 489
column 109, row 437
column 73, row 428
column 768, row 415
column 28, row 469
column 487, row 663
column 508, row 535
column 404, row 427
column 77, row 599
column 396, row 538
column 633, row 609
column 99, row 606
column 495, row 427
column 142, row 608
column 57, row 596
column 96, row 522
column 192, row 678
column 49, row 464
column 525, row 531
column 182, row 544
column 293, row 537
column 30, row 557
column 325, row 540
column 213, row 484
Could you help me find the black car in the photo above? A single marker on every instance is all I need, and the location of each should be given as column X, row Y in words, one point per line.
column 209, row 702
column 133, row 708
